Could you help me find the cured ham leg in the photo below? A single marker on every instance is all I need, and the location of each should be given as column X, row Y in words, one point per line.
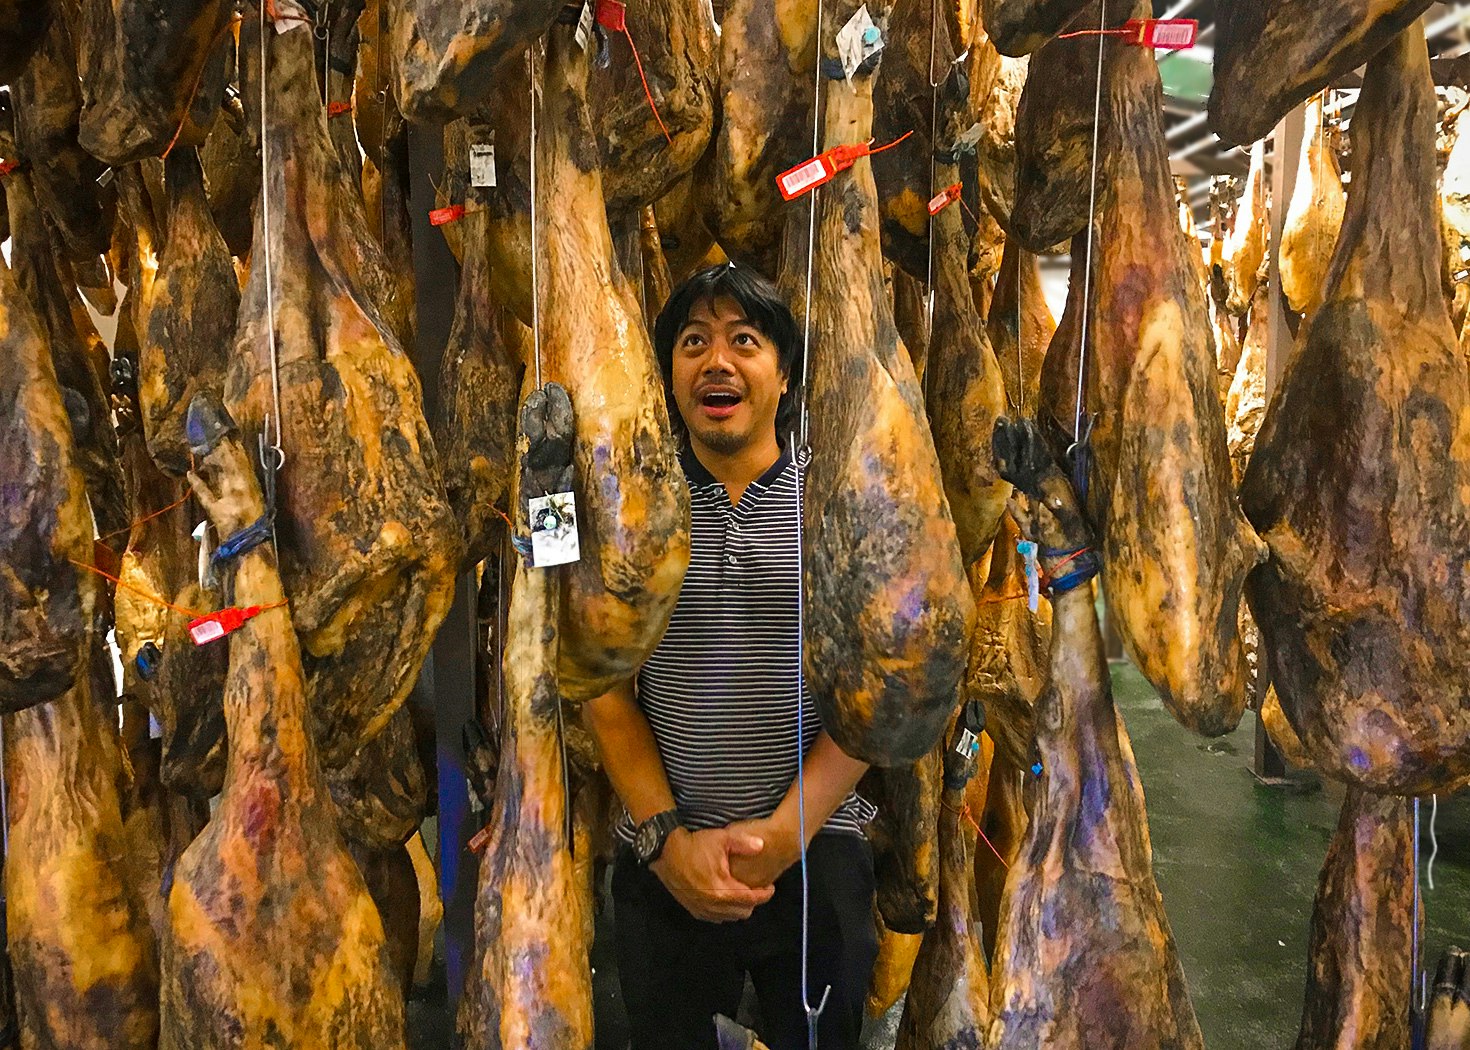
column 1175, row 547
column 892, row 969
column 996, row 83
column 83, row 956
column 368, row 548
column 1085, row 957
column 1019, row 27
column 678, row 44
column 151, row 71
column 632, row 502
column 23, row 25
column 765, row 126
column 272, row 928
column 191, row 316
column 447, row 56
column 1272, row 54
column 888, row 614
column 966, row 389
column 1360, row 479
column 1358, row 980
column 48, row 102
column 1315, row 213
column 905, row 838
column 948, row 1005
column 531, row 985
column 1245, row 247
column 79, row 356
column 480, row 382
column 1008, row 663
column 1020, row 325
column 45, row 525
column 1054, row 129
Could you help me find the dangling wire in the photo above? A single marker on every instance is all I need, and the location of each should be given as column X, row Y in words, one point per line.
column 1102, row 20
column 801, row 455
column 272, row 431
column 933, row 150
column 1415, row 982
column 1433, row 840
column 535, row 283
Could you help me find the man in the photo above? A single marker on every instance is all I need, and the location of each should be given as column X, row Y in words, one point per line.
column 703, row 754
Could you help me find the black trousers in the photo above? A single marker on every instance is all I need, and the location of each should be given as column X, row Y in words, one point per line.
column 677, row 971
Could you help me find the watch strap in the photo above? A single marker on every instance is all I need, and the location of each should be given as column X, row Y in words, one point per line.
column 662, row 825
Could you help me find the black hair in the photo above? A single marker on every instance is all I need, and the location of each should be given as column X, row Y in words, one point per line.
column 763, row 307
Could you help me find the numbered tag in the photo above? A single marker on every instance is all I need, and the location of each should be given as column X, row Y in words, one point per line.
column 805, row 176
column 482, row 163
column 554, row 530
column 1165, row 34
column 857, row 41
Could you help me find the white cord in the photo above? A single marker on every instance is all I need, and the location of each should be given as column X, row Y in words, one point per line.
column 1433, row 840
column 813, row 1014
column 1102, row 25
column 272, row 432
column 811, row 247
column 535, row 284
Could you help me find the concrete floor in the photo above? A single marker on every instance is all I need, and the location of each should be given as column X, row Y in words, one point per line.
column 1237, row 863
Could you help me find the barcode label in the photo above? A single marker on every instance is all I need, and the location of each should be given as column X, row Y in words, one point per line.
column 802, row 178
column 205, row 631
column 1172, row 34
column 584, row 27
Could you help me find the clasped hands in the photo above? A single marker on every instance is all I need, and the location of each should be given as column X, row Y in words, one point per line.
column 724, row 874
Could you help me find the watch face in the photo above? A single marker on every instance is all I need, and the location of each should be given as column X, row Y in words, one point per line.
column 645, row 839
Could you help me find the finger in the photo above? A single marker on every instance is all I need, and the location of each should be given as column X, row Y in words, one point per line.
column 744, row 844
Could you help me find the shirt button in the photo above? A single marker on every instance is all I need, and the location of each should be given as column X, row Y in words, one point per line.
column 730, row 559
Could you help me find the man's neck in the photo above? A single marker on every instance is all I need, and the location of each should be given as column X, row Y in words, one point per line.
column 736, row 470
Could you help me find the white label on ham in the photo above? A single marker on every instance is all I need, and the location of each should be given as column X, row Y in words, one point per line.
column 554, row 530
column 289, row 15
column 584, row 27
column 482, row 163
column 858, row 41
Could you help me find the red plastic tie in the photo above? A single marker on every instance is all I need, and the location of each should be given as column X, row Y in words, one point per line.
column 810, row 174
column 211, row 627
column 6, row 167
column 481, row 840
column 155, row 599
column 336, row 109
column 1164, row 34
column 612, row 15
column 443, row 216
column 944, row 198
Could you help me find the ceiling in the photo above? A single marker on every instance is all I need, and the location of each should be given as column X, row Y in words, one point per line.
column 1195, row 151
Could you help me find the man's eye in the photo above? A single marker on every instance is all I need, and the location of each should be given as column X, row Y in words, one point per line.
column 745, row 339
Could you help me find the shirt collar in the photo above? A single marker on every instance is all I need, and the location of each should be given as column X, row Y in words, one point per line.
column 698, row 474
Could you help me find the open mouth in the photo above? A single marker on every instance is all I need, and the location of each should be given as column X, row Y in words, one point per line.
column 719, row 402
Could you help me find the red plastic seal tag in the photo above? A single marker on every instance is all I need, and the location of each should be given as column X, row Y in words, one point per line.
column 612, row 15
column 440, row 216
column 944, row 198
column 337, row 109
column 216, row 625
column 810, row 174
column 1165, row 34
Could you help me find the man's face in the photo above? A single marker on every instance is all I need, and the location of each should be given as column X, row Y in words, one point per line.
column 727, row 378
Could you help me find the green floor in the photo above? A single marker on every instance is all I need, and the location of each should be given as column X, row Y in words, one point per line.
column 1237, row 863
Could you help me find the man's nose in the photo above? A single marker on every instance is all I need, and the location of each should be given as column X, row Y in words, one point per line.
column 717, row 358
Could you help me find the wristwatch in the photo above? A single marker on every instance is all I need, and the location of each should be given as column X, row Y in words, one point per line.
column 650, row 836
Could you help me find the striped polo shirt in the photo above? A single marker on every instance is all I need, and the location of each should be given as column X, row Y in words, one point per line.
column 720, row 690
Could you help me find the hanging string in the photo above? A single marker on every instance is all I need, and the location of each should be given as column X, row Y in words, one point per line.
column 800, row 457
column 964, row 811
column 613, row 15
column 933, row 150
column 1415, row 979
column 1433, row 840
column 1091, row 221
column 535, row 283
column 271, row 432
column 192, row 614
column 145, row 519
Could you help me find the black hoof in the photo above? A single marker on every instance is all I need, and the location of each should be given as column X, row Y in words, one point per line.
column 1021, row 455
column 207, row 424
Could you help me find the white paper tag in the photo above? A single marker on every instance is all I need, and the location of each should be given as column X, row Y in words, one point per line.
column 482, row 163
column 289, row 15
column 858, row 41
column 968, row 138
column 206, row 551
column 155, row 731
column 584, row 27
column 554, row 530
